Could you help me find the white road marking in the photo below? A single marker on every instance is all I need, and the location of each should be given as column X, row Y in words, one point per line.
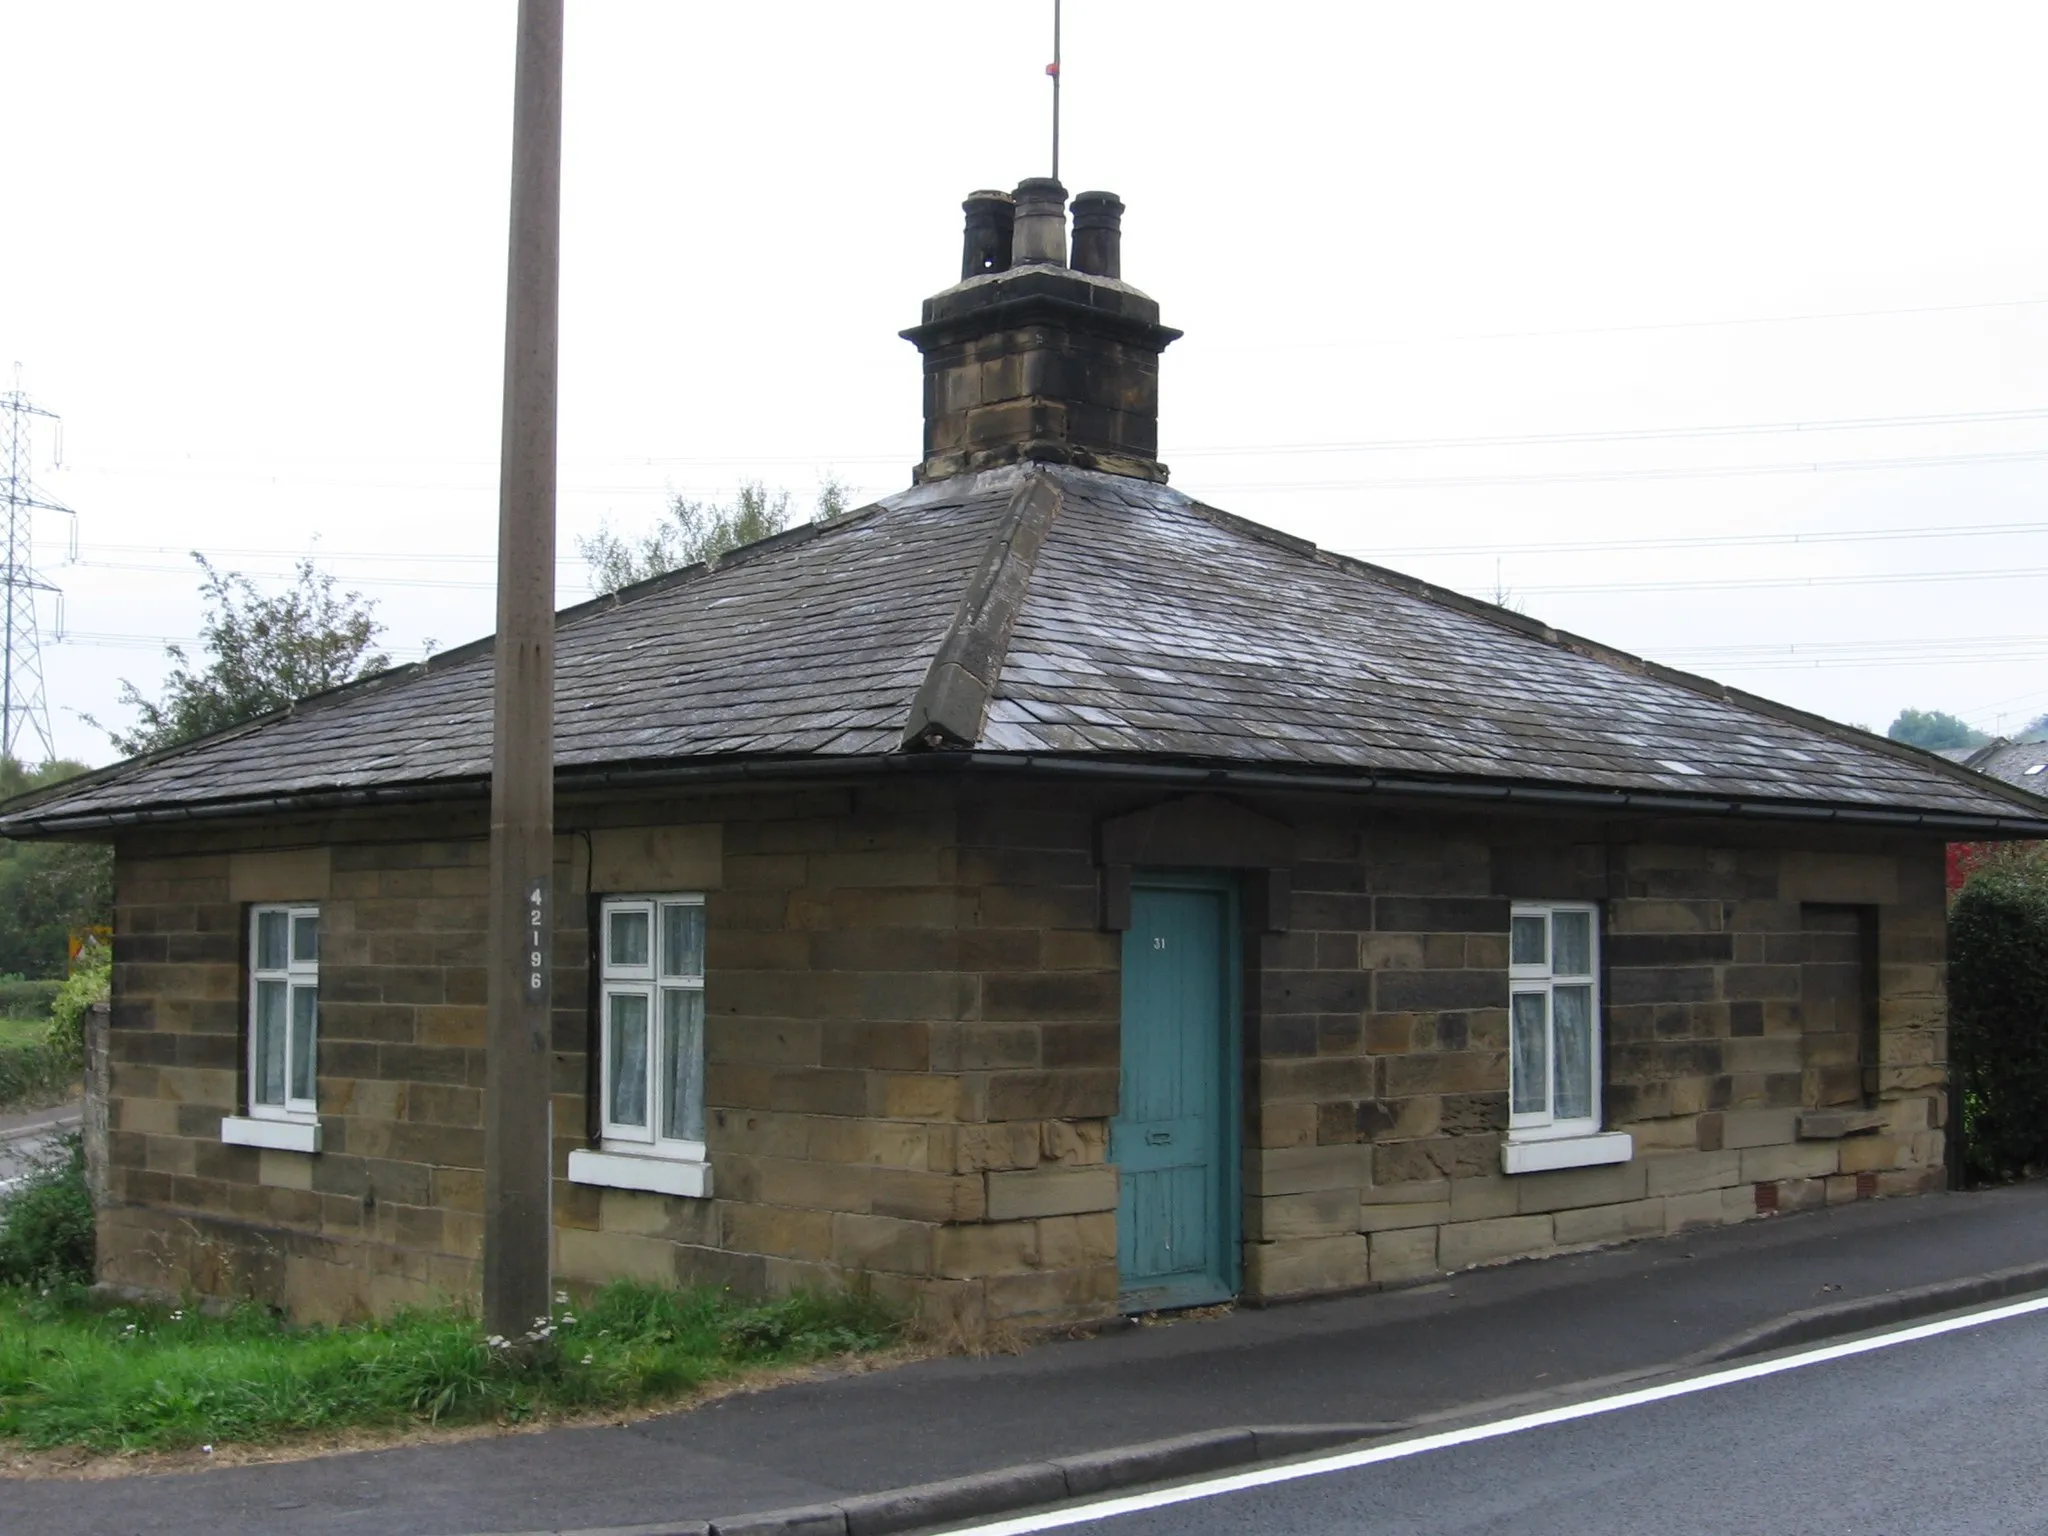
column 1322, row 1466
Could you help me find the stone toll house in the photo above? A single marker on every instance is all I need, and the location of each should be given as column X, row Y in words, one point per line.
column 1039, row 893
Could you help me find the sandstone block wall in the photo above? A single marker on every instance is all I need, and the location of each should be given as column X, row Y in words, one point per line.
column 913, row 1046
column 1374, row 1156
column 389, row 1211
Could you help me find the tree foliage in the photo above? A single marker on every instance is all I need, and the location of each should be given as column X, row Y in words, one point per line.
column 48, row 889
column 261, row 653
column 696, row 531
column 91, row 981
column 1998, row 1014
column 1934, row 729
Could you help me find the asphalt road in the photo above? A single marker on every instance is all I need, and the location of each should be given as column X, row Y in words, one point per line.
column 18, row 1154
column 1941, row 1435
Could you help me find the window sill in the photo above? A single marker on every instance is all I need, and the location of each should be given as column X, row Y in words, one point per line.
column 277, row 1135
column 656, row 1175
column 1540, row 1155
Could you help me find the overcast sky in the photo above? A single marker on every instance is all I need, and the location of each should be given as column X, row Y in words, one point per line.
column 1467, row 288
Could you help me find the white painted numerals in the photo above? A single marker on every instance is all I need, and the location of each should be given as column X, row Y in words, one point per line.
column 1159, row 943
column 536, row 941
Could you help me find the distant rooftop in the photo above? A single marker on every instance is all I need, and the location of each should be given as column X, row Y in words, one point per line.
column 2022, row 763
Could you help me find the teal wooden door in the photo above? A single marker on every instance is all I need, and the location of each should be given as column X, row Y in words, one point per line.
column 1174, row 1139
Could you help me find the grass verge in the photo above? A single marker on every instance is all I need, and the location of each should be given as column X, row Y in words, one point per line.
column 23, row 1031
column 34, row 1074
column 136, row 1378
column 77, row 1371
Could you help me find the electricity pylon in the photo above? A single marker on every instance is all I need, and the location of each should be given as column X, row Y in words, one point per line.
column 24, row 708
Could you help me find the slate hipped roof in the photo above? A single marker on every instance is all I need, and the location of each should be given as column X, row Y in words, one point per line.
column 1055, row 616
column 1042, row 599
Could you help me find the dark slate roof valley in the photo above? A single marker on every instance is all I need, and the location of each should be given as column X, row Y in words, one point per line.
column 1068, row 614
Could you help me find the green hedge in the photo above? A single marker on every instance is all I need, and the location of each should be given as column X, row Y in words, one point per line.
column 1998, row 1017
column 26, row 999
column 38, row 1073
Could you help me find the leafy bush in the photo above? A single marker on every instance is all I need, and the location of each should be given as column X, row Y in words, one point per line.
column 74, row 1373
column 1998, row 1016
column 21, row 999
column 91, row 982
column 46, row 1232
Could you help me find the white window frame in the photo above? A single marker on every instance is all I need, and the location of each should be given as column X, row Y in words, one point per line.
column 622, row 1158
column 294, row 1125
column 1543, row 979
column 297, row 976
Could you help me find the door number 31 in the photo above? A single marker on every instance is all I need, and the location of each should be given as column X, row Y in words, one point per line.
column 1159, row 943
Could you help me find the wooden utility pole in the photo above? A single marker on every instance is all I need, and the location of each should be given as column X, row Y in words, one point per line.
column 517, row 1156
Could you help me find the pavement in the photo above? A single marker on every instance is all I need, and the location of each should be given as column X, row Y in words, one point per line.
column 838, row 1452
column 28, row 1136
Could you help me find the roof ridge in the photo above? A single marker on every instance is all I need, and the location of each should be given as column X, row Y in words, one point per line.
column 951, row 706
column 1594, row 650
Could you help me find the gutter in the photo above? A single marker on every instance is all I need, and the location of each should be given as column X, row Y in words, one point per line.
column 1951, row 826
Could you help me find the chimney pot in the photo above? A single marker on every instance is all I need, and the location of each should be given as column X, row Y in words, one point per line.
column 1041, row 228
column 990, row 219
column 1028, row 360
column 1098, row 234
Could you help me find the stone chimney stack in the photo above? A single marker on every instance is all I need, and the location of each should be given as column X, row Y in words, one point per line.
column 1038, row 353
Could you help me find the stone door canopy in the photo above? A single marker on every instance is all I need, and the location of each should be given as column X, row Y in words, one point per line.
column 1198, row 832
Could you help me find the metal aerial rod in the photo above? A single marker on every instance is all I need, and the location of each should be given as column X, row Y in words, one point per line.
column 1053, row 69
column 24, row 707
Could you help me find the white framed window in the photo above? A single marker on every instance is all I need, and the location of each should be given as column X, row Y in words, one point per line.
column 284, row 1031
column 1553, row 1019
column 651, row 997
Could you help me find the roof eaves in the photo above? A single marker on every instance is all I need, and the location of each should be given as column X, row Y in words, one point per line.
column 1515, row 793
column 13, row 824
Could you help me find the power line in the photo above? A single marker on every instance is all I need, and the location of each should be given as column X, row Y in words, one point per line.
column 1638, row 326
column 1946, row 651
column 1708, row 541
column 1917, row 645
column 1626, row 434
column 112, row 640
column 1850, row 664
column 1775, row 583
column 437, row 583
column 1189, row 451
column 1695, row 472
column 1241, row 450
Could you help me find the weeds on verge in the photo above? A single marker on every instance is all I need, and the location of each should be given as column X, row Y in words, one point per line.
column 153, row 1378
column 75, row 1370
